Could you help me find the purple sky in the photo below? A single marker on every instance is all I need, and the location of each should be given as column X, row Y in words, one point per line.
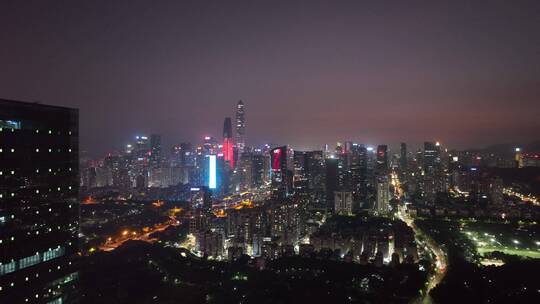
column 467, row 74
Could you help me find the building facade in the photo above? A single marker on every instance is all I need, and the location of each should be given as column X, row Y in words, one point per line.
column 39, row 211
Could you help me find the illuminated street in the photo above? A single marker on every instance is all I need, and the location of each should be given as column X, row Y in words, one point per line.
column 440, row 262
column 127, row 235
column 524, row 197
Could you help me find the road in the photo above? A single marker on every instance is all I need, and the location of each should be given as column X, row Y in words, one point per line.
column 112, row 244
column 440, row 262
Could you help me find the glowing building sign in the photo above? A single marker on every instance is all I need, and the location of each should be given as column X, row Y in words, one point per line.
column 276, row 159
column 228, row 151
column 212, row 181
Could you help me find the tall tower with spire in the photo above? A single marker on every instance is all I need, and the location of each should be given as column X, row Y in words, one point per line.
column 240, row 127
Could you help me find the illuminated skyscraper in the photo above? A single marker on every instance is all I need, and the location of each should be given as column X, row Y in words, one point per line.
column 39, row 209
column 228, row 151
column 240, row 127
column 212, row 172
column 280, row 176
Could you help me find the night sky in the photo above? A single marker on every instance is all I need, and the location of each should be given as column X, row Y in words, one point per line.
column 464, row 73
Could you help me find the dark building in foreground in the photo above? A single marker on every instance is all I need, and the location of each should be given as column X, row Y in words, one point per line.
column 39, row 211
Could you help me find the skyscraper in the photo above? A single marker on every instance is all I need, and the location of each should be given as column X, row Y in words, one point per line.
column 432, row 156
column 359, row 162
column 240, row 127
column 228, row 150
column 258, row 170
column 139, row 169
column 383, row 195
column 280, row 176
column 155, row 157
column 403, row 157
column 331, row 181
column 432, row 170
column 39, row 211
column 382, row 160
column 343, row 202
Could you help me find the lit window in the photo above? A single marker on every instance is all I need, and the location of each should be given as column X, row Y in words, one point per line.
column 29, row 261
column 12, row 124
column 53, row 253
column 7, row 268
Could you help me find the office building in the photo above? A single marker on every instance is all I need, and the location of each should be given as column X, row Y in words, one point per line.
column 39, row 211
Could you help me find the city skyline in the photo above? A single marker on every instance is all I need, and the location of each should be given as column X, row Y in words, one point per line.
column 459, row 72
column 266, row 152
